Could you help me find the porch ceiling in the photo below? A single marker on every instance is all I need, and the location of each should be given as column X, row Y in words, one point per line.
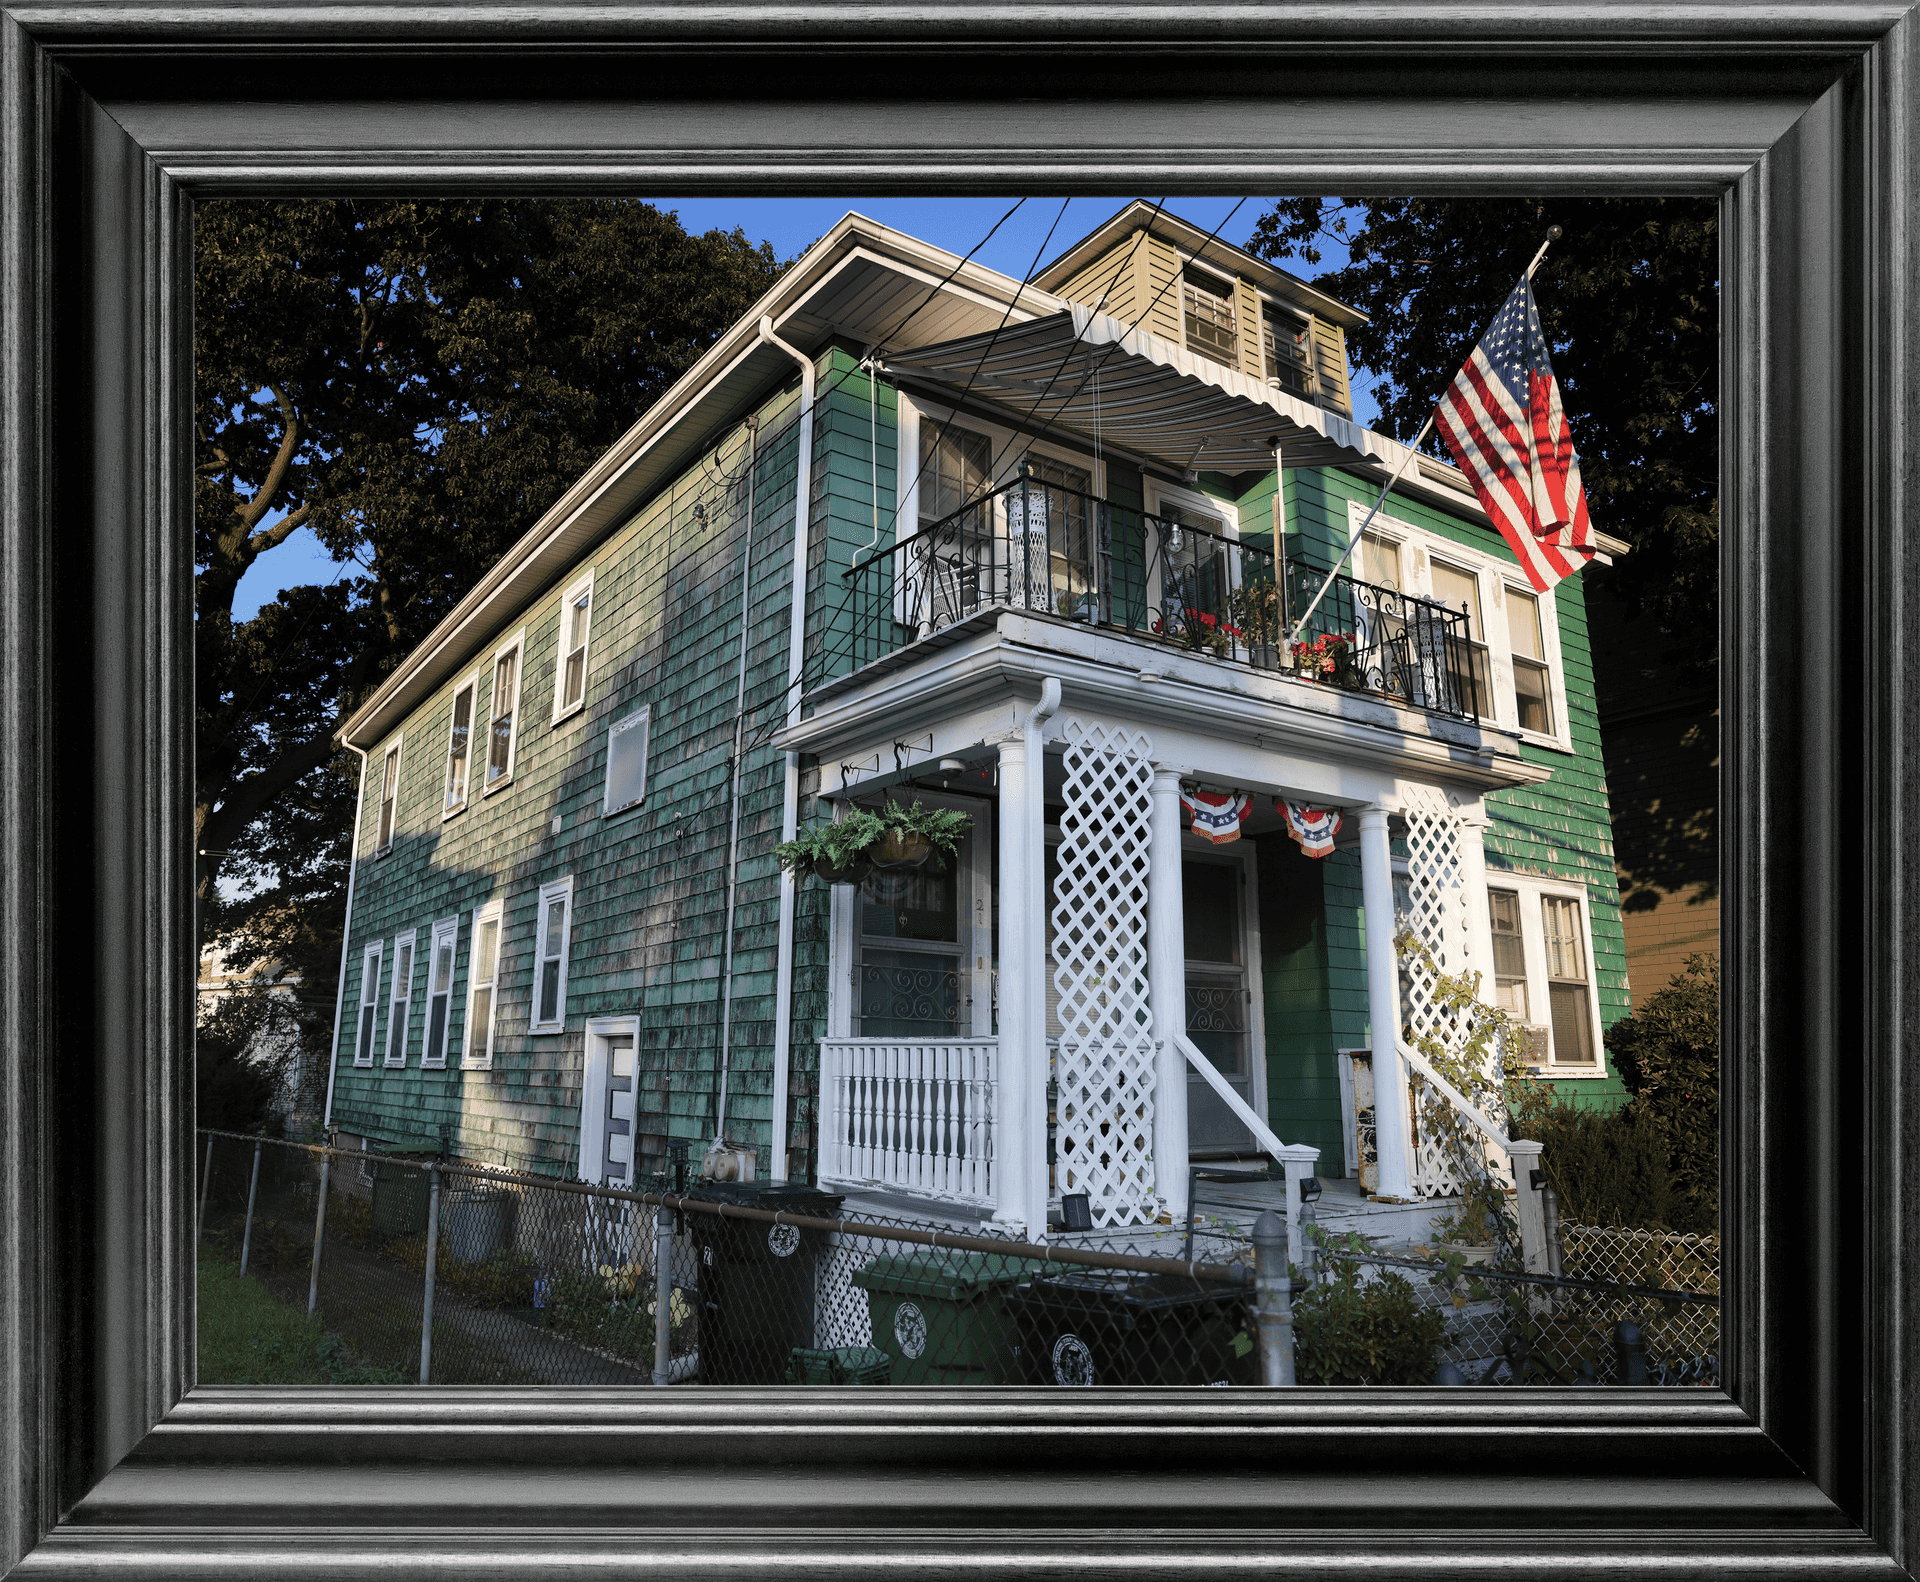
column 1149, row 394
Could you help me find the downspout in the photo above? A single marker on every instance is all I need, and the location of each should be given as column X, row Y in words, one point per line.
column 346, row 935
column 790, row 797
column 733, row 817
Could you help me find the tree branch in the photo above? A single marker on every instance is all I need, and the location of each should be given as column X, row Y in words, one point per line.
column 262, row 502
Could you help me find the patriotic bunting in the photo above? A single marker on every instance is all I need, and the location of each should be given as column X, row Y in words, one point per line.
column 1313, row 827
column 1217, row 814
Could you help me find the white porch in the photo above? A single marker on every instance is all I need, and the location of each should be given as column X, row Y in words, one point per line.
column 1026, row 713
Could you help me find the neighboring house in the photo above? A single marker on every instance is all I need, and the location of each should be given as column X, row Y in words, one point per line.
column 567, row 942
column 1663, row 773
column 276, row 1040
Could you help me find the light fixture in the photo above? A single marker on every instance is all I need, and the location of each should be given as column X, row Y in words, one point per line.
column 953, row 766
column 1309, row 1189
column 1151, row 675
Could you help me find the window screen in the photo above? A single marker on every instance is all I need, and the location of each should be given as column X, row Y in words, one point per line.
column 1530, row 690
column 626, row 763
column 1567, row 982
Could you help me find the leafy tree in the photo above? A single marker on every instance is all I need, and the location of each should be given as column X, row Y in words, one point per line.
column 1629, row 303
column 413, row 383
column 1668, row 1053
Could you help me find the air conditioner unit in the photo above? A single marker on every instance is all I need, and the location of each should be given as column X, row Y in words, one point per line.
column 1534, row 1043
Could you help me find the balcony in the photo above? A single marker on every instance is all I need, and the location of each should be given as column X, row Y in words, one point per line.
column 1036, row 546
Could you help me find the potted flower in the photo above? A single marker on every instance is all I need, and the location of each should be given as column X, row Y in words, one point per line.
column 1477, row 1226
column 838, row 853
column 1327, row 657
column 1254, row 607
column 914, row 832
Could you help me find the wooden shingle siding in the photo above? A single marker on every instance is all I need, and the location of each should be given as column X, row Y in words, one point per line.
column 649, row 884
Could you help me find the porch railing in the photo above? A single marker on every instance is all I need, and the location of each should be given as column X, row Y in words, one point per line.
column 1033, row 545
column 914, row 1115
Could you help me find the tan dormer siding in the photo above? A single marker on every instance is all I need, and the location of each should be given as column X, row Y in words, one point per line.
column 1157, row 288
column 1106, row 284
column 1330, row 367
column 1246, row 324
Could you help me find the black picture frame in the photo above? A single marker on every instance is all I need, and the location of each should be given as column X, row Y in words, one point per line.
column 1801, row 114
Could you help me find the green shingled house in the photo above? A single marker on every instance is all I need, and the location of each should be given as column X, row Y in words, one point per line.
column 912, row 530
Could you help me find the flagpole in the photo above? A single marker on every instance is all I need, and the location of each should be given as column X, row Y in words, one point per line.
column 1554, row 233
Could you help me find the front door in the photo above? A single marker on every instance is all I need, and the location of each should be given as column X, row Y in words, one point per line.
column 1221, row 1016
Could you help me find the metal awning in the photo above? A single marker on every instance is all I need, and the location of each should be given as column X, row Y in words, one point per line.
column 1079, row 368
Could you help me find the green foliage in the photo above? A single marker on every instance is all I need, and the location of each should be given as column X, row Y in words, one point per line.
column 1668, row 1053
column 350, row 1217
column 231, row 1091
column 412, row 383
column 501, row 1279
column 1629, row 302
column 943, row 827
column 1606, row 1169
column 1485, row 1217
column 838, row 844
column 1347, row 1330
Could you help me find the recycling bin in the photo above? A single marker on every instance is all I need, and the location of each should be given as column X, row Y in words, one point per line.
column 1112, row 1327
column 400, row 1196
column 839, row 1365
column 757, row 1281
column 946, row 1322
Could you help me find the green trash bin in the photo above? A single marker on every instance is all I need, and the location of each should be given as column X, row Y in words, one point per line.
column 946, row 1321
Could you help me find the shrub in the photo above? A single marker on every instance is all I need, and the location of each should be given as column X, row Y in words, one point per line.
column 1605, row 1169
column 351, row 1218
column 1668, row 1053
column 1350, row 1331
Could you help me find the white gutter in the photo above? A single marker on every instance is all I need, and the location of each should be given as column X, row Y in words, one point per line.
column 790, row 797
column 346, row 934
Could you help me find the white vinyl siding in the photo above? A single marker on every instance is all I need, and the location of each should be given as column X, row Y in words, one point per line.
column 402, row 997
column 483, row 965
column 369, row 1010
column 503, row 711
column 570, row 666
column 460, row 744
column 439, row 992
column 552, row 923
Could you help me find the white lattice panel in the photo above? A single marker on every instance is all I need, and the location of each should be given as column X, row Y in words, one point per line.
column 1436, row 883
column 1104, row 1066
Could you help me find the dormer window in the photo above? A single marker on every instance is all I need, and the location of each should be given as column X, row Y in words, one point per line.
column 1287, row 343
column 1209, row 305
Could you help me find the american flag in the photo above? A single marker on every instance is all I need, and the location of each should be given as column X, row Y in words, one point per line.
column 1503, row 422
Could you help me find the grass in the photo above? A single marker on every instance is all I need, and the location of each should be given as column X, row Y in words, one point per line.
column 247, row 1336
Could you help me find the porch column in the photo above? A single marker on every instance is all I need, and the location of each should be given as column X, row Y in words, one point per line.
column 1383, row 1007
column 1020, row 1120
column 1473, row 882
column 1167, row 991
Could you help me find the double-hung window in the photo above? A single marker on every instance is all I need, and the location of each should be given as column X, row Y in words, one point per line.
column 402, row 997
column 1458, row 588
column 553, row 923
column 389, row 796
column 1208, row 301
column 570, row 670
column 504, row 711
column 369, row 1003
column 1542, row 973
column 483, row 966
column 1287, row 343
column 439, row 992
column 460, row 744
column 1532, row 686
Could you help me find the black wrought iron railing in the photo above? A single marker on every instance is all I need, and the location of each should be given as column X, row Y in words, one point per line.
column 1032, row 545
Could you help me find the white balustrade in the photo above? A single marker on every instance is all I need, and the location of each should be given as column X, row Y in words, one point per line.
column 910, row 1115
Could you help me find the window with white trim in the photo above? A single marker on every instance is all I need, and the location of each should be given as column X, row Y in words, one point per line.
column 504, row 711
column 439, row 992
column 483, row 966
column 389, row 796
column 460, row 744
column 570, row 668
column 552, row 922
column 1542, row 972
column 1512, row 655
column 369, row 1003
column 1287, row 343
column 1208, row 303
column 1532, row 681
column 402, row 997
column 626, row 762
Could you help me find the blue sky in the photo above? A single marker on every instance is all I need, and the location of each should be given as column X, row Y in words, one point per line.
column 790, row 224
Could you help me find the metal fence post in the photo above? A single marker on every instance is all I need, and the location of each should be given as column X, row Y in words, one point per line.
column 433, row 1259
column 206, row 1180
column 1550, row 1211
column 1273, row 1298
column 253, row 1185
column 663, row 1228
column 319, row 1234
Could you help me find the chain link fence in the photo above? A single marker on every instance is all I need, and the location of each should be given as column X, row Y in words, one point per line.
column 541, row 1281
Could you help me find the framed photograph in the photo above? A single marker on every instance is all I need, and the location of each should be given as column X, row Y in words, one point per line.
column 1800, row 117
